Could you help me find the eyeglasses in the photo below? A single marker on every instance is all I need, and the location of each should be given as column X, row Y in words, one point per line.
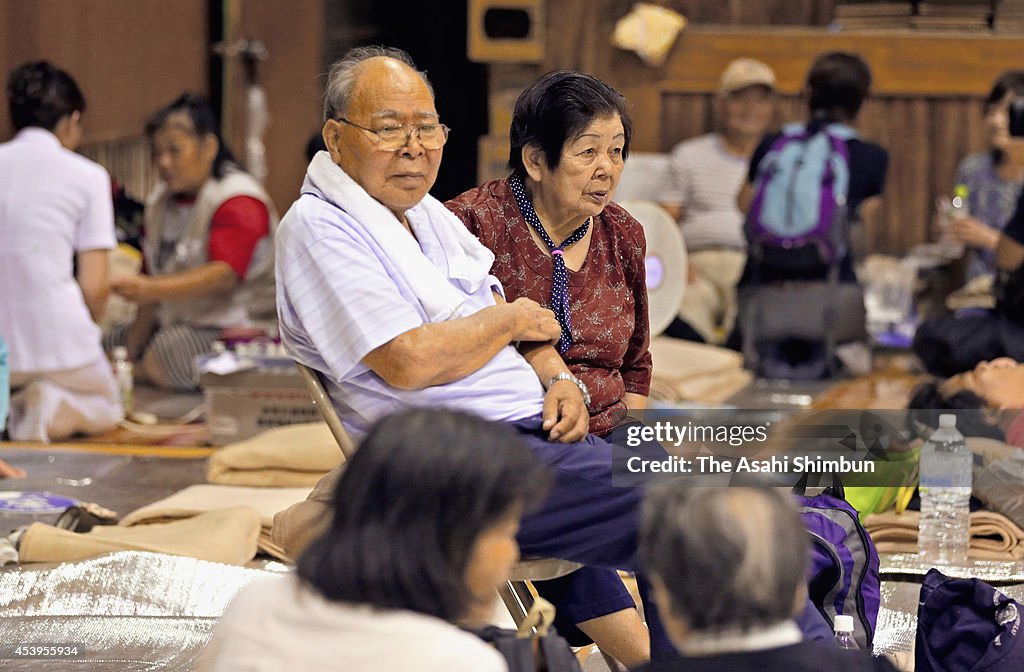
column 393, row 138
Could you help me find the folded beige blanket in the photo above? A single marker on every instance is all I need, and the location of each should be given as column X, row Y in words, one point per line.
column 228, row 536
column 289, row 456
column 687, row 371
column 197, row 499
column 993, row 535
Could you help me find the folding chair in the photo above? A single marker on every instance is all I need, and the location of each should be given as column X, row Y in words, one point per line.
column 515, row 593
column 323, row 403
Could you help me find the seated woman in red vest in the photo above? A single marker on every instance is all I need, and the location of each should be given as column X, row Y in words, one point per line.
column 207, row 247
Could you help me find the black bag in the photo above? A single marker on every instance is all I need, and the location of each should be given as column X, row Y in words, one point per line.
column 790, row 329
column 527, row 651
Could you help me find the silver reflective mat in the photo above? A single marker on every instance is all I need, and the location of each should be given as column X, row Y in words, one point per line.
column 897, row 617
column 990, row 571
column 125, row 611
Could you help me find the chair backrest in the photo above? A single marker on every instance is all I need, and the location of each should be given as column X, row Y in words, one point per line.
column 330, row 416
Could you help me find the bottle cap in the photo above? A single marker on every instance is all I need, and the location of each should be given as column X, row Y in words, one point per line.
column 947, row 420
column 843, row 623
column 120, row 352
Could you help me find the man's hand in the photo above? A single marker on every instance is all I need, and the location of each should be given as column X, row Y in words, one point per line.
column 134, row 288
column 7, row 471
column 566, row 418
column 534, row 322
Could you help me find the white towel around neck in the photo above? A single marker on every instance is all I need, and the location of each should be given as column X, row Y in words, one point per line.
column 469, row 262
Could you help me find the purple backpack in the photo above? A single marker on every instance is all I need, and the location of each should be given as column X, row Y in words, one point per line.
column 800, row 191
column 844, row 563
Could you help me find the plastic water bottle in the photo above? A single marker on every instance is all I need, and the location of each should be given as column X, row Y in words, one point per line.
column 843, row 628
column 124, row 372
column 944, row 529
column 957, row 209
column 958, row 206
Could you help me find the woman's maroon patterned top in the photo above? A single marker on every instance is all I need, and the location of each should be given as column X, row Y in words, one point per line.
column 607, row 296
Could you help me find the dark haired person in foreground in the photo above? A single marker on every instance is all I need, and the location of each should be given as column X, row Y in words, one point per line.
column 730, row 605
column 57, row 228
column 559, row 240
column 422, row 534
column 208, row 249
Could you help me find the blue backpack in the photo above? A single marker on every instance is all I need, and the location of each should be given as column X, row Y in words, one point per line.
column 844, row 563
column 801, row 189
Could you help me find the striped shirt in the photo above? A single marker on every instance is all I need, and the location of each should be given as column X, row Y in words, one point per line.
column 705, row 179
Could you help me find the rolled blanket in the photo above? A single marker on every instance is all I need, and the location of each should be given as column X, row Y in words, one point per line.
column 993, row 535
column 283, row 457
column 228, row 536
column 686, row 371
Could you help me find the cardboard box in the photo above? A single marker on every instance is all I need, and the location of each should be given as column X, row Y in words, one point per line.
column 244, row 403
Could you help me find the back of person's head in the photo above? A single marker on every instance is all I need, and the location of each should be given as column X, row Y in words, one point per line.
column 344, row 74
column 410, row 505
column 39, row 94
column 730, row 559
column 837, row 84
column 928, row 402
column 1010, row 83
column 193, row 112
column 555, row 109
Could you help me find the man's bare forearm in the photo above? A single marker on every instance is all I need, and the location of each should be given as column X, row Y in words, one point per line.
column 443, row 352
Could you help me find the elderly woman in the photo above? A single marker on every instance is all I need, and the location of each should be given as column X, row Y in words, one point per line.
column 423, row 533
column 732, row 604
column 208, row 249
column 559, row 239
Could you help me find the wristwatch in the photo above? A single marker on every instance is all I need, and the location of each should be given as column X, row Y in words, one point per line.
column 565, row 375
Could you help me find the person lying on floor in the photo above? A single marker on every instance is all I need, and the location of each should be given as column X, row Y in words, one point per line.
column 995, row 390
column 730, row 606
column 429, row 325
column 421, row 536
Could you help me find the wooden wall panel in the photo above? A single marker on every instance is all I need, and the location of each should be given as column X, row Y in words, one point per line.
column 128, row 57
column 685, row 115
column 293, row 33
column 762, row 12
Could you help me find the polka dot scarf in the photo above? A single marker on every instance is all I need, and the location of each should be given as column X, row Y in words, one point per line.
column 560, row 276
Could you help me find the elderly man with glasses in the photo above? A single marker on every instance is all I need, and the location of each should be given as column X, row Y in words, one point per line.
column 385, row 293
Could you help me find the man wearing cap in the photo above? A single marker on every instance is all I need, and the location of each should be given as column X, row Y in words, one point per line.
column 706, row 173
